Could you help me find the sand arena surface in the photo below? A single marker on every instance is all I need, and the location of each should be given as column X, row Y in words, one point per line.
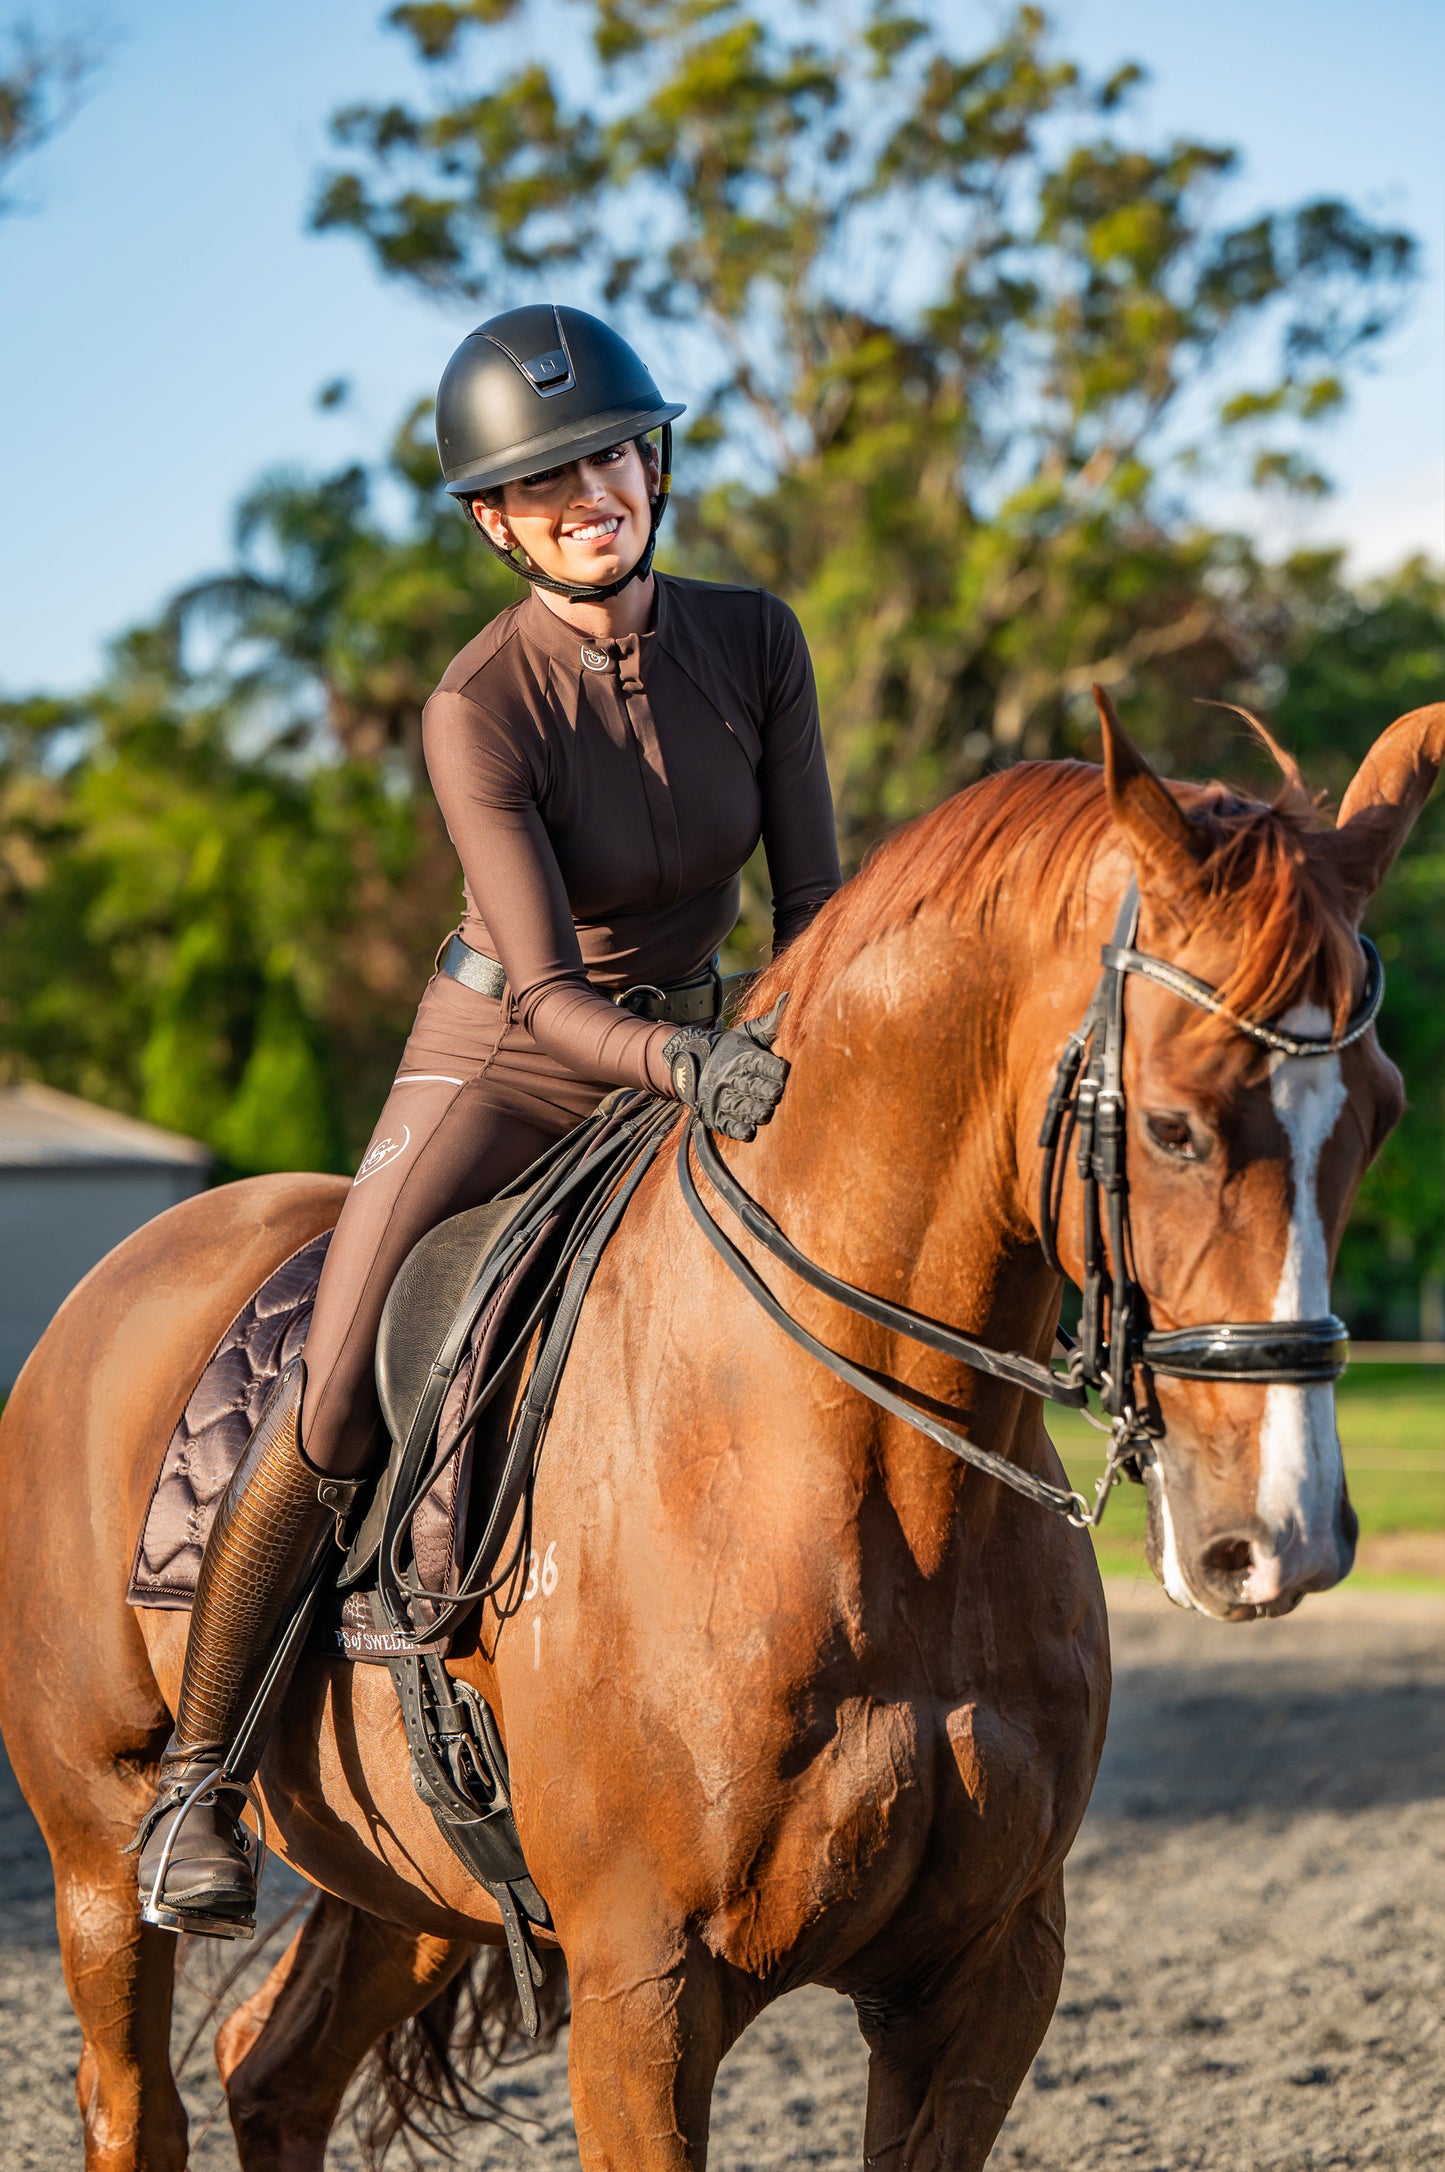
column 1256, row 1978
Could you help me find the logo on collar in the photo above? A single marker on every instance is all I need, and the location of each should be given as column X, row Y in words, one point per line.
column 595, row 659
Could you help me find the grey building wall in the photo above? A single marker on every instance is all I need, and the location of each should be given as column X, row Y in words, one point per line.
column 55, row 1224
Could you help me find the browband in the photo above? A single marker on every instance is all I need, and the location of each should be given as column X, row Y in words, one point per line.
column 1120, row 958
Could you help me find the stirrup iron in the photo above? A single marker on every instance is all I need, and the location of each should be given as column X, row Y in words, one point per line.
column 156, row 1911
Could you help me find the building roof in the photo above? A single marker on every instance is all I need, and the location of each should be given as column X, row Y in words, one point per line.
column 43, row 1129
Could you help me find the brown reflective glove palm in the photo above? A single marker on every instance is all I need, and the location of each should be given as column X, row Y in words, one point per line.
column 730, row 1076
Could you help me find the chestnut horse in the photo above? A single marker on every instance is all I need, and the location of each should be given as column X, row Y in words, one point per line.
column 800, row 1698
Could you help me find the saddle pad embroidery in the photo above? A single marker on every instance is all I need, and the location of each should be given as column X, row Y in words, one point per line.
column 215, row 1426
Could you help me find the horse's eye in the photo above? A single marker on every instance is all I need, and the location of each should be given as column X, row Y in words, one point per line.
column 1173, row 1134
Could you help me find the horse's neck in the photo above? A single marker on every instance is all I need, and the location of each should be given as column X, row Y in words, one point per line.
column 895, row 1161
column 894, row 1140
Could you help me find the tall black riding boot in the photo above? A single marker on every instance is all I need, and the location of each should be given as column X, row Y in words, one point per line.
column 276, row 1519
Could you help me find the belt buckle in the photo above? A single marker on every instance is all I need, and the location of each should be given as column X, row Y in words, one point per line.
column 644, row 993
column 640, row 991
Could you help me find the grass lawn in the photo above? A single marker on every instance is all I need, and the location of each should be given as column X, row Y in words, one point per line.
column 1392, row 1425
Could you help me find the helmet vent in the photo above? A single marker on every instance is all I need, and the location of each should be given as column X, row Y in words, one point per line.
column 550, row 372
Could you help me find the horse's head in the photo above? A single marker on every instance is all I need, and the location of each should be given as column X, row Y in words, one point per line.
column 1242, row 1162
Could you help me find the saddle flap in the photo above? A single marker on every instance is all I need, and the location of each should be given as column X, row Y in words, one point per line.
column 424, row 1301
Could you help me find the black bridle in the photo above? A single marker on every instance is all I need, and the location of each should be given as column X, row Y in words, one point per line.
column 1116, row 1351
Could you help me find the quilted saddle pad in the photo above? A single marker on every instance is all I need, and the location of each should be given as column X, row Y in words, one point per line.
column 215, row 1426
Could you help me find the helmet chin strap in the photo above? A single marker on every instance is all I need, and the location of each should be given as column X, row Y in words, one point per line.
column 586, row 592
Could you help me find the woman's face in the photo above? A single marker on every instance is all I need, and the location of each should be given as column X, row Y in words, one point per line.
column 587, row 522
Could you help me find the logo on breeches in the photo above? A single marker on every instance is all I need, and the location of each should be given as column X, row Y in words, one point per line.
column 384, row 1152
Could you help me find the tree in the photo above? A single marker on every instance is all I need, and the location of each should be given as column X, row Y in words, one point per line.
column 1356, row 659
column 967, row 354
column 967, row 458
column 41, row 84
column 223, row 939
column 329, row 600
column 964, row 351
column 222, row 878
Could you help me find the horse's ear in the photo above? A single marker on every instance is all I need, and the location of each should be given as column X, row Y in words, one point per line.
column 1379, row 808
column 1163, row 843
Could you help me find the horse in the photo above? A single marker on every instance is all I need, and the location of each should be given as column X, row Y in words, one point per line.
column 800, row 1697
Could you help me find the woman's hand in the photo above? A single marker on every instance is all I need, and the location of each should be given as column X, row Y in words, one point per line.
column 730, row 1077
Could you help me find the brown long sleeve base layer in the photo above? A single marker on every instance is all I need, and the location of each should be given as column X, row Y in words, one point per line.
column 602, row 798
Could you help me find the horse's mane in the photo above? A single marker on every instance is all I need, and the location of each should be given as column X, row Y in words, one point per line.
column 1034, row 831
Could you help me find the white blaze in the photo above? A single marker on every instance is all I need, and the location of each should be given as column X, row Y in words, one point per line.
column 1300, row 1470
column 1171, row 1567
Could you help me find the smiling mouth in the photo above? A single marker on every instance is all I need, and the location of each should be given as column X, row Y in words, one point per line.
column 596, row 531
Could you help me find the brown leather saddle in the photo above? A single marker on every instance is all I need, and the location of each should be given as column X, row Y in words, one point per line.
column 466, row 1317
column 470, row 1354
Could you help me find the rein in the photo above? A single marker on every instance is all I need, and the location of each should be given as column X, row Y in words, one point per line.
column 1021, row 1372
column 1115, row 1343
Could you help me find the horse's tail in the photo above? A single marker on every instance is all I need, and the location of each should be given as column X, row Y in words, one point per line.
column 422, row 2080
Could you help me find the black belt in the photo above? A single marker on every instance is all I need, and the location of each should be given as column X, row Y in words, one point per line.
column 696, row 1002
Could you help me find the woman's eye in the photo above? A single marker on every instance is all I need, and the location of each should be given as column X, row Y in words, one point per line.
column 543, row 475
column 1174, row 1135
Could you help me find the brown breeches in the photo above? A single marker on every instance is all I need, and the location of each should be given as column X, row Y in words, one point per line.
column 474, row 1102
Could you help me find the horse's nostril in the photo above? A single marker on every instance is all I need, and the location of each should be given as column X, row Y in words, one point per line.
column 1227, row 1557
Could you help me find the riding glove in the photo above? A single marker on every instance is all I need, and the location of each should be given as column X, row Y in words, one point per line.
column 729, row 1076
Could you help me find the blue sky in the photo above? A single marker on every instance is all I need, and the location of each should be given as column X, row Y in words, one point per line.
column 166, row 321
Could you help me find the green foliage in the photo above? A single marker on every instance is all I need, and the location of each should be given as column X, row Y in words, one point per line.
column 41, row 83
column 280, row 1115
column 948, row 326
column 220, row 887
column 963, row 351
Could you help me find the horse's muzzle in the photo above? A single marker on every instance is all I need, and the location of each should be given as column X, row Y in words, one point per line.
column 1252, row 1572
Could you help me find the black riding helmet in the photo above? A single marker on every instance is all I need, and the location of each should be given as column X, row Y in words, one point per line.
column 535, row 388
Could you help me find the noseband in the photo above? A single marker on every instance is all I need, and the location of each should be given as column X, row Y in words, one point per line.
column 1116, row 1348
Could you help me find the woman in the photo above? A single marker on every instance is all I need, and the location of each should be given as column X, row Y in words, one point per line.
column 606, row 755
